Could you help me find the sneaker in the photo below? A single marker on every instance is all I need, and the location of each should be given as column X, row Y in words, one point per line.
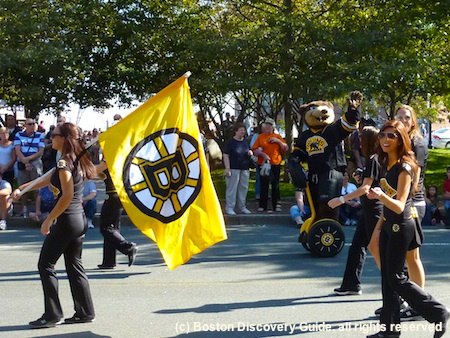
column 299, row 220
column 260, row 209
column 245, row 211
column 106, row 267
column 90, row 224
column 2, row 224
column 404, row 305
column 42, row 323
column 278, row 208
column 230, row 212
column 440, row 326
column 77, row 319
column 348, row 223
column 347, row 292
column 409, row 315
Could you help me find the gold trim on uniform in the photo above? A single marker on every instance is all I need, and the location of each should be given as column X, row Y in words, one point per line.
column 61, row 164
column 414, row 212
column 55, row 191
column 395, row 228
column 388, row 190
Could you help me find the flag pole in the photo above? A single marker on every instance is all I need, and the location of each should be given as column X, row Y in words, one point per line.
column 48, row 173
column 187, row 74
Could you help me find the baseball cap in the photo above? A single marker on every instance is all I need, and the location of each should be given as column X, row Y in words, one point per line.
column 269, row 121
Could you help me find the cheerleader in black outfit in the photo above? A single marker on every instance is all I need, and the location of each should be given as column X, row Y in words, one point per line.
column 110, row 226
column 64, row 229
column 371, row 212
column 398, row 234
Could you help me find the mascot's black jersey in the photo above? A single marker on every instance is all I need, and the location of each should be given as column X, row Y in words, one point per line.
column 324, row 150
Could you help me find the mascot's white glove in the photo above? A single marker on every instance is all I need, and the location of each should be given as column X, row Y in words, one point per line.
column 265, row 169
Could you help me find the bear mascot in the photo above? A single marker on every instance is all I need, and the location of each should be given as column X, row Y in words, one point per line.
column 322, row 148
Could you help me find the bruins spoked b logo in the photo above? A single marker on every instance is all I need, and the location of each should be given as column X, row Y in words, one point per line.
column 162, row 174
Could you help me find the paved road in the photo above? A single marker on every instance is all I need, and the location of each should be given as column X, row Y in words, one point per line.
column 256, row 284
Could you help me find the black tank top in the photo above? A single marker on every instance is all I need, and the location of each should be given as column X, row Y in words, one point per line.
column 389, row 185
column 372, row 170
column 109, row 185
column 75, row 205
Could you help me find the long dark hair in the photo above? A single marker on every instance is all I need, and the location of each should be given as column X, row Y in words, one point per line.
column 369, row 141
column 74, row 151
column 404, row 152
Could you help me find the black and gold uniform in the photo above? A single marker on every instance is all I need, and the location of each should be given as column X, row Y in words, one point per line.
column 66, row 238
column 398, row 235
column 110, row 228
column 370, row 215
column 323, row 150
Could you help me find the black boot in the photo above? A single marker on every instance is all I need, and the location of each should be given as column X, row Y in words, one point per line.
column 441, row 325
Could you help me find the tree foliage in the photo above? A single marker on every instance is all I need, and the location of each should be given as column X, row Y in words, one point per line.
column 268, row 56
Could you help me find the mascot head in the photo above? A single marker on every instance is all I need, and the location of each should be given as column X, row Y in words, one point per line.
column 317, row 114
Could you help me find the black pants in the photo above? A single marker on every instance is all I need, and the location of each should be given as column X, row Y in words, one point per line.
column 394, row 242
column 65, row 238
column 274, row 180
column 110, row 229
column 9, row 176
column 324, row 187
column 358, row 249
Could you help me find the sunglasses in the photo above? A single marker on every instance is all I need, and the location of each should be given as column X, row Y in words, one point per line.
column 390, row 136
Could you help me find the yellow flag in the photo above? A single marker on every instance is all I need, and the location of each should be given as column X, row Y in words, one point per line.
column 158, row 166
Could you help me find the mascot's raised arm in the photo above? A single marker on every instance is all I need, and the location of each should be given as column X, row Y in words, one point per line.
column 322, row 148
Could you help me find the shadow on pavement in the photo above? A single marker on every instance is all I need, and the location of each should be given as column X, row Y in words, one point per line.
column 84, row 334
column 247, row 330
column 25, row 276
column 270, row 303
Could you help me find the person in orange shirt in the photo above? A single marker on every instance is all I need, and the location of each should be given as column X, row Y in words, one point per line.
column 269, row 147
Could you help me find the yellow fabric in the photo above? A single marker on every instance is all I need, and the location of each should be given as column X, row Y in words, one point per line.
column 158, row 166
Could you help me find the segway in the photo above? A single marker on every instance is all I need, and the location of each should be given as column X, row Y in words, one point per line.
column 322, row 237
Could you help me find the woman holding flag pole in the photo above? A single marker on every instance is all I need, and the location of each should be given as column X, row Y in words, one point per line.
column 64, row 228
column 110, row 221
column 110, row 226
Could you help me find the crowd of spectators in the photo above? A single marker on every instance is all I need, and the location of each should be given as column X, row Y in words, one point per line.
column 437, row 204
column 26, row 153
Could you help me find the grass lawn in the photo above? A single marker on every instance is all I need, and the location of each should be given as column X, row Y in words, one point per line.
column 438, row 161
column 286, row 188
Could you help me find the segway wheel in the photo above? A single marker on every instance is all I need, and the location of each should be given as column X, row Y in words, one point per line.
column 326, row 238
column 303, row 239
